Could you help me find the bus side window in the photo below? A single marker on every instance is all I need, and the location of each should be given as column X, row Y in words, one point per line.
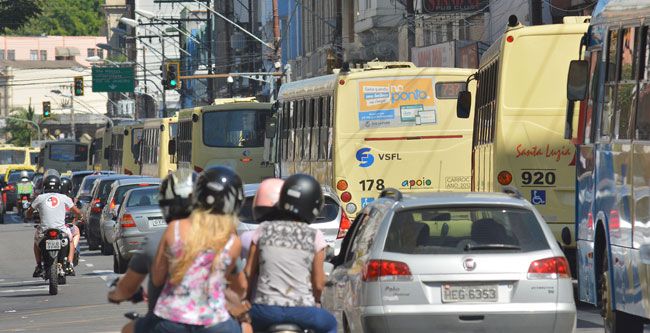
column 306, row 143
column 324, row 129
column 315, row 130
column 627, row 86
column 642, row 128
column 330, row 126
column 611, row 78
column 293, row 116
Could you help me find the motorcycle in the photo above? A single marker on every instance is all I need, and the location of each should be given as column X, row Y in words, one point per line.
column 23, row 204
column 54, row 247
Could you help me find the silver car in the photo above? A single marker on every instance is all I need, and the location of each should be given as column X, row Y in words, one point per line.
column 332, row 220
column 453, row 262
column 109, row 212
column 138, row 216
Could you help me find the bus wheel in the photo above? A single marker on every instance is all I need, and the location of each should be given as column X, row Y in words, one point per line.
column 614, row 321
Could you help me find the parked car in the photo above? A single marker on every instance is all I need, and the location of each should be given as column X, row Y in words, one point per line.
column 137, row 216
column 9, row 195
column 332, row 220
column 99, row 195
column 458, row 262
column 109, row 212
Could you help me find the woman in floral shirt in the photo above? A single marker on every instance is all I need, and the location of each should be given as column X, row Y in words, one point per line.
column 197, row 256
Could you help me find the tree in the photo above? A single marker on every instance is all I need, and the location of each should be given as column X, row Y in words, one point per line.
column 23, row 132
column 14, row 14
column 65, row 18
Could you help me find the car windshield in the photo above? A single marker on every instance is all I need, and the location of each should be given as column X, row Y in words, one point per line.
column 12, row 156
column 143, row 198
column 14, row 176
column 87, row 185
column 329, row 212
column 121, row 191
column 464, row 230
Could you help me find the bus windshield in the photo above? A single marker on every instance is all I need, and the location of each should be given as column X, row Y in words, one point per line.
column 68, row 153
column 12, row 156
column 234, row 129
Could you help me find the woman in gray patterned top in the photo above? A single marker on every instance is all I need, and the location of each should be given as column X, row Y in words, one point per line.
column 287, row 259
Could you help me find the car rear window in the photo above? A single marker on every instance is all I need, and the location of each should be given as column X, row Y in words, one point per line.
column 465, row 230
column 105, row 189
column 143, row 198
column 77, row 180
column 87, row 185
column 121, row 191
column 329, row 212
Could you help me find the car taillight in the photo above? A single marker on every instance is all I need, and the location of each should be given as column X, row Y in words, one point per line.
column 549, row 268
column 112, row 206
column 376, row 269
column 344, row 226
column 127, row 221
column 10, row 187
column 96, row 206
column 53, row 233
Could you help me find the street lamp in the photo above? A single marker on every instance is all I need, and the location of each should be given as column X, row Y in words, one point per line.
column 129, row 22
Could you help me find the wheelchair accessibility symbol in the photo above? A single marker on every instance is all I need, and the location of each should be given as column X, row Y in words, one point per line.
column 538, row 197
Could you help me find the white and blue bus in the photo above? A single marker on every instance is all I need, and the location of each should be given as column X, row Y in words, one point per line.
column 612, row 85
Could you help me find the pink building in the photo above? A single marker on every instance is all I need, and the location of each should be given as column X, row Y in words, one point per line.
column 51, row 48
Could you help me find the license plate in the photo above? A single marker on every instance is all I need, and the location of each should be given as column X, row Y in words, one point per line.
column 52, row 244
column 156, row 223
column 469, row 293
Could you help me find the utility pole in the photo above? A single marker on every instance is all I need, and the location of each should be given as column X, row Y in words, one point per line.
column 277, row 54
column 410, row 19
column 72, row 126
column 164, row 92
column 208, row 36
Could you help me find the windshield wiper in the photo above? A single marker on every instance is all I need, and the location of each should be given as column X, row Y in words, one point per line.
column 470, row 247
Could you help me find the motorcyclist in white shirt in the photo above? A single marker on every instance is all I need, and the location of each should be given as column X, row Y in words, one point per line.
column 51, row 206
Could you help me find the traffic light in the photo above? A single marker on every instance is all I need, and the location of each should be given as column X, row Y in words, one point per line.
column 171, row 78
column 47, row 110
column 78, row 85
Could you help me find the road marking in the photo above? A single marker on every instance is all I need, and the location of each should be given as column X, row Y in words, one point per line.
column 82, row 260
column 105, row 274
column 44, row 288
column 90, row 265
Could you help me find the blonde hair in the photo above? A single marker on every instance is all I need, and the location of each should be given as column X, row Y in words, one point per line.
column 207, row 232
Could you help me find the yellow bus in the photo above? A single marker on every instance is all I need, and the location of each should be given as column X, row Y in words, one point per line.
column 384, row 125
column 100, row 148
column 230, row 132
column 33, row 156
column 125, row 148
column 11, row 156
column 519, row 122
column 156, row 161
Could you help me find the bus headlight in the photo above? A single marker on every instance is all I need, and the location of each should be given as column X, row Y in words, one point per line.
column 350, row 208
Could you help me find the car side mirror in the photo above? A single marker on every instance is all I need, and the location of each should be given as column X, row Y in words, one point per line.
column 171, row 147
column 463, row 104
column 578, row 80
column 271, row 127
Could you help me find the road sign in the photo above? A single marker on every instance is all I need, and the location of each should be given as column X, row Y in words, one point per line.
column 113, row 79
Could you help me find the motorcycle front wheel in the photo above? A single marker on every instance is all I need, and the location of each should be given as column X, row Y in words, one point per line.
column 53, row 276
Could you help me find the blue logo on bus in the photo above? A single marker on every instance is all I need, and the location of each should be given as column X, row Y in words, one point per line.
column 365, row 157
column 366, row 201
column 538, row 197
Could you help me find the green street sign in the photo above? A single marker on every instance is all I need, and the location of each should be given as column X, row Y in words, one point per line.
column 113, row 79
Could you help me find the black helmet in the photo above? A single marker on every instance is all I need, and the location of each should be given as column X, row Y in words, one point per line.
column 66, row 186
column 301, row 197
column 51, row 184
column 218, row 190
column 176, row 195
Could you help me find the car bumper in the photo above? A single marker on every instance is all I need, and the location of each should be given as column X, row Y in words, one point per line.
column 129, row 244
column 502, row 318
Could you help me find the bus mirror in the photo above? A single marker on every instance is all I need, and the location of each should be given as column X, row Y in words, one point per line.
column 171, row 147
column 463, row 104
column 271, row 127
column 578, row 80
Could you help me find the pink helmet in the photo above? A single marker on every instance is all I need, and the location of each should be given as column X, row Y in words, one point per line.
column 266, row 198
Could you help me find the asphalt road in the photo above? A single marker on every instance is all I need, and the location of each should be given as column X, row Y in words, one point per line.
column 80, row 306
